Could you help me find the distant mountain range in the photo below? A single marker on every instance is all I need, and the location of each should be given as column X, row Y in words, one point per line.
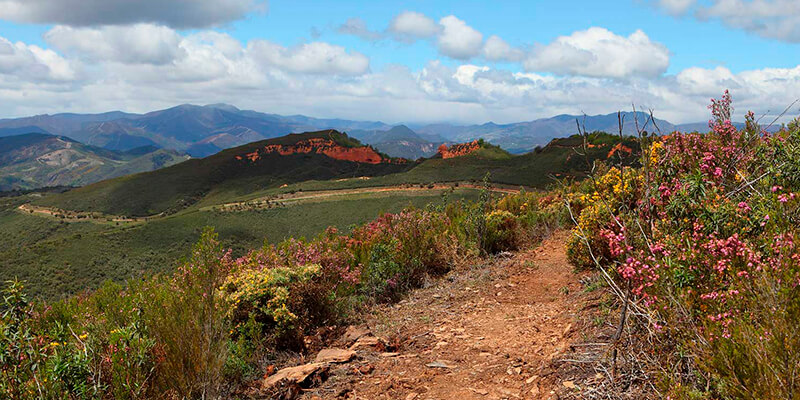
column 36, row 160
column 204, row 130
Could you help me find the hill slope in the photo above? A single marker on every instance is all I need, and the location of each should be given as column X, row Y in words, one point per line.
column 36, row 160
column 318, row 155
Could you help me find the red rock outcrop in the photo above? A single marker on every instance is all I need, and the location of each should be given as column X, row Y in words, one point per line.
column 459, row 149
column 323, row 146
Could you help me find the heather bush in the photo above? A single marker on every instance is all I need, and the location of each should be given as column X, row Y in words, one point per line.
column 704, row 246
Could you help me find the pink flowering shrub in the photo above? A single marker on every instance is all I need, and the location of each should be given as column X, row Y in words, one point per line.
column 709, row 250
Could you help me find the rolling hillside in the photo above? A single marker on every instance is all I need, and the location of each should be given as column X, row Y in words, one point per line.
column 37, row 160
column 325, row 160
column 318, row 155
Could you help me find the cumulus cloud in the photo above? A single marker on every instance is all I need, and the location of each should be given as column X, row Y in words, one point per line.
column 33, row 63
column 410, row 26
column 136, row 44
column 312, row 58
column 599, row 52
column 458, row 40
column 175, row 13
column 497, row 49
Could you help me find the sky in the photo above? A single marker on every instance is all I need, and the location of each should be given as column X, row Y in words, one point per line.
column 419, row 61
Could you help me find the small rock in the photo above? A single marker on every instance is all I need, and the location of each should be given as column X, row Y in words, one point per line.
column 334, row 355
column 354, row 333
column 569, row 385
column 482, row 392
column 296, row 374
column 531, row 379
column 440, row 364
column 412, row 396
column 366, row 369
column 390, row 354
column 369, row 341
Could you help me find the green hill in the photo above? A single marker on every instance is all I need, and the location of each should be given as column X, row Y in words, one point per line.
column 240, row 170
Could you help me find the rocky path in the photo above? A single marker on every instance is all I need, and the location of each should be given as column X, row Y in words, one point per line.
column 498, row 331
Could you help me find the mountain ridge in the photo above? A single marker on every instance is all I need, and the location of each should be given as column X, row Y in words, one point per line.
column 205, row 130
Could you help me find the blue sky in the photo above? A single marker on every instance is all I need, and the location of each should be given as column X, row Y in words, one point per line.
column 450, row 61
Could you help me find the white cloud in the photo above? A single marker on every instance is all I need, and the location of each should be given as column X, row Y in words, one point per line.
column 496, row 49
column 776, row 19
column 459, row 40
column 324, row 80
column 312, row 58
column 599, row 52
column 773, row 19
column 410, row 26
column 676, row 7
column 33, row 63
column 135, row 44
column 174, row 13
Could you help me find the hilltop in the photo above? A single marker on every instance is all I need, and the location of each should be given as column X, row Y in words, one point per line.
column 36, row 160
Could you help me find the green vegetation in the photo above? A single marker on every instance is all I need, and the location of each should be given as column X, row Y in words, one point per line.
column 175, row 188
column 60, row 258
column 220, row 178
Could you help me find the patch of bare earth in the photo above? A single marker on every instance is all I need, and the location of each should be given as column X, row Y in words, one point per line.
column 504, row 330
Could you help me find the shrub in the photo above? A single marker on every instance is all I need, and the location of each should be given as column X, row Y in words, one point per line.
column 262, row 296
column 185, row 317
column 707, row 247
column 502, row 231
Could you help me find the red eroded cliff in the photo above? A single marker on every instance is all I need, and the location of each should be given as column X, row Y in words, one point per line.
column 460, row 149
column 324, row 146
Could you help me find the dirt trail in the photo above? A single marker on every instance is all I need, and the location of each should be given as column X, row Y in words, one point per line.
column 492, row 332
